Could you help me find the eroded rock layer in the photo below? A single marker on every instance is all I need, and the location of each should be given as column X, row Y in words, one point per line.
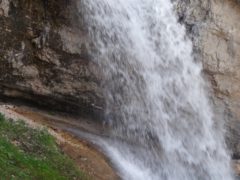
column 44, row 59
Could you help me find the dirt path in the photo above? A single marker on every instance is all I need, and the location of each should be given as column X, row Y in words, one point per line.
column 88, row 158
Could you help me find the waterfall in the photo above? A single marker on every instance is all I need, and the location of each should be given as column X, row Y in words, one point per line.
column 157, row 109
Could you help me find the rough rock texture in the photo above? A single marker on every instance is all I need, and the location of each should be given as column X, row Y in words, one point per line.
column 44, row 59
column 214, row 26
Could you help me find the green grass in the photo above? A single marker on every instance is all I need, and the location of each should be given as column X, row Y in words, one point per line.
column 32, row 154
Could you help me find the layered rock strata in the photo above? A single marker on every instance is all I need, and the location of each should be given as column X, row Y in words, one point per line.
column 44, row 59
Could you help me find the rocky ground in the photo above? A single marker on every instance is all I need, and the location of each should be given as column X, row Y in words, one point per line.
column 85, row 154
column 89, row 158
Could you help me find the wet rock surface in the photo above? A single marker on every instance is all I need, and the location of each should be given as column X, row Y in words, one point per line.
column 215, row 30
column 44, row 59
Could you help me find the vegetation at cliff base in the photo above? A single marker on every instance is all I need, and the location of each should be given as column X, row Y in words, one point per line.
column 27, row 154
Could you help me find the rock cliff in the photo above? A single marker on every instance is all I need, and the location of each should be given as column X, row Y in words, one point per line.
column 215, row 30
column 44, row 59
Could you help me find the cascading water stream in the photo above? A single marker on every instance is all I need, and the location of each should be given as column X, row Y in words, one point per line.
column 156, row 107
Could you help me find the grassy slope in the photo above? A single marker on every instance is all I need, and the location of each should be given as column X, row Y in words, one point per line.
column 27, row 153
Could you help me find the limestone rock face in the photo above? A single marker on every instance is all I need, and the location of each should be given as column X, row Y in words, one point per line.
column 44, row 59
column 214, row 27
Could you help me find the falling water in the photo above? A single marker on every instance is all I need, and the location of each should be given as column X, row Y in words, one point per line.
column 156, row 107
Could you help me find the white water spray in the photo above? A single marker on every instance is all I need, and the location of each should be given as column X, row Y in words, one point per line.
column 161, row 122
